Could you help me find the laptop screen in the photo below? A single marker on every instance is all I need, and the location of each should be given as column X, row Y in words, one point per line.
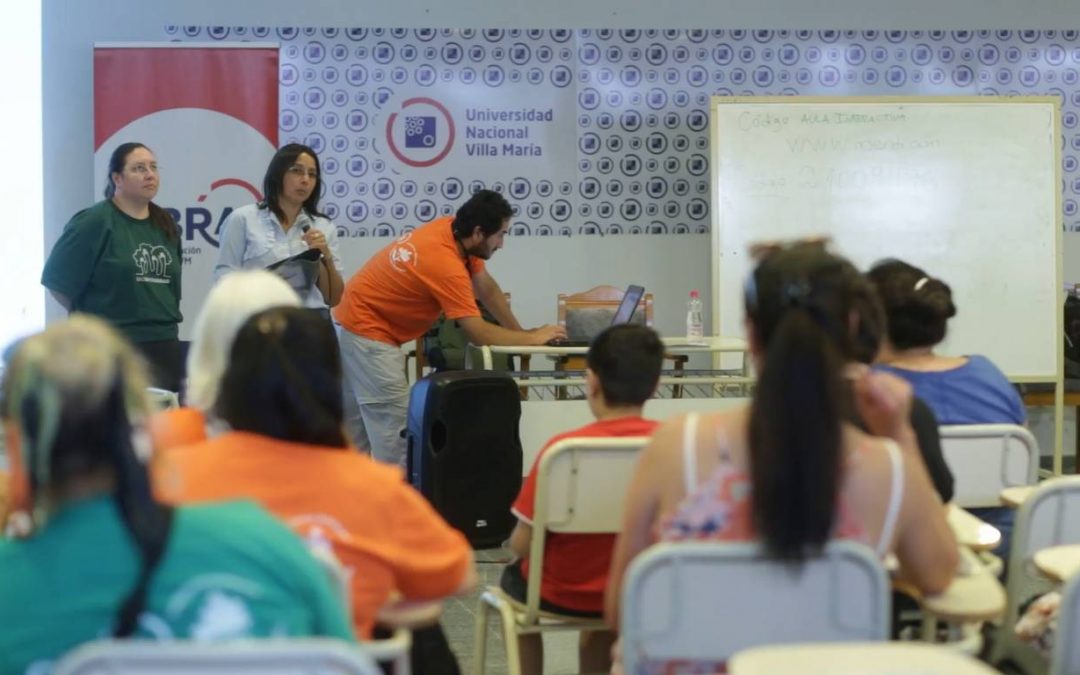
column 629, row 303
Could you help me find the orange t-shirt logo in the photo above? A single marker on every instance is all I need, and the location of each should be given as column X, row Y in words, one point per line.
column 403, row 253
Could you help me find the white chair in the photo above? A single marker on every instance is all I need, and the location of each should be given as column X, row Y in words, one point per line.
column 987, row 458
column 1066, row 659
column 707, row 601
column 1049, row 517
column 312, row 656
column 580, row 488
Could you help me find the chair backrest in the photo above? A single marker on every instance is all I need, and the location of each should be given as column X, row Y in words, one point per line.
column 1049, row 517
column 586, row 314
column 1066, row 659
column 581, row 486
column 707, row 601
column 987, row 458
column 312, row 656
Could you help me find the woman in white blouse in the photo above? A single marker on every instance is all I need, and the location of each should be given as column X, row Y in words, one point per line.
column 287, row 223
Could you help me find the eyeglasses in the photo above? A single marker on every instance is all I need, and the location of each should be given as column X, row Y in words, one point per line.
column 144, row 169
column 300, row 171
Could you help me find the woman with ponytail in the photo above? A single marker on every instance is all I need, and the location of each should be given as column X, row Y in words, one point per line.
column 281, row 397
column 121, row 260
column 959, row 389
column 791, row 471
column 93, row 554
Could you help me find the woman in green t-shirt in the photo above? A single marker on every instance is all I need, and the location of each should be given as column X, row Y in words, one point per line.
column 120, row 259
column 96, row 555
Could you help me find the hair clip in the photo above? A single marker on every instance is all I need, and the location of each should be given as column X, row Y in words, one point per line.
column 796, row 293
column 920, row 283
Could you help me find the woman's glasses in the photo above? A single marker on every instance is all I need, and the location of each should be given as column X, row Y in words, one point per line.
column 300, row 171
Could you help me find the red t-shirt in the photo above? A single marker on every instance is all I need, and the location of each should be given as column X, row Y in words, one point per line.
column 576, row 565
column 400, row 292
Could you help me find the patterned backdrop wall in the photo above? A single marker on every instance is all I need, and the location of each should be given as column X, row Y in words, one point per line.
column 598, row 131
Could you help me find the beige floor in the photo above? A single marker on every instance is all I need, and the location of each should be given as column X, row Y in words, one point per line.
column 459, row 622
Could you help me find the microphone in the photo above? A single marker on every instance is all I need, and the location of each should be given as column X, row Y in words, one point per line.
column 304, row 228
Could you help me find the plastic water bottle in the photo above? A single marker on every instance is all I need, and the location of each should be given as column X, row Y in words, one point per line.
column 695, row 320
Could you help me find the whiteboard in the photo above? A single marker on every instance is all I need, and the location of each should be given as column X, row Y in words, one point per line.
column 967, row 188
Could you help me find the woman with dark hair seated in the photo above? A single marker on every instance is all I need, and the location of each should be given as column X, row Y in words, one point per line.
column 281, row 396
column 959, row 389
column 95, row 556
column 791, row 470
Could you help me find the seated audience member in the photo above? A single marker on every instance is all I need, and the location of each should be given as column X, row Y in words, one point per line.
column 230, row 302
column 281, row 397
column 867, row 340
column 96, row 556
column 959, row 389
column 789, row 470
column 622, row 372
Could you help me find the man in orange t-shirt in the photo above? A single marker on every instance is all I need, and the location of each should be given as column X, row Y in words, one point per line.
column 398, row 295
column 623, row 369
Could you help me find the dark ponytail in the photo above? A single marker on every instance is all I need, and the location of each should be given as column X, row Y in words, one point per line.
column 795, row 438
column 800, row 302
column 284, row 379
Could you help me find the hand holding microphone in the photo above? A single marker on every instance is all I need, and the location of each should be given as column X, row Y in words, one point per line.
column 315, row 239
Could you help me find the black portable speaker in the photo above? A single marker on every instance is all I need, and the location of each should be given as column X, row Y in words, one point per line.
column 464, row 450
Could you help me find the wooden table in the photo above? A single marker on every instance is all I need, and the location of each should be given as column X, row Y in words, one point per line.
column 1013, row 497
column 1058, row 563
column 856, row 658
column 971, row 532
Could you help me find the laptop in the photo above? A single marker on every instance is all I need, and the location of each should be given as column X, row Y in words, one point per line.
column 623, row 314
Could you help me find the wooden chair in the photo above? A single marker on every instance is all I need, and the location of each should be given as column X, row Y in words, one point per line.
column 584, row 315
column 567, row 501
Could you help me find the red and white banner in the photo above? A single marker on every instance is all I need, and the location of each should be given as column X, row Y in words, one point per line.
column 210, row 115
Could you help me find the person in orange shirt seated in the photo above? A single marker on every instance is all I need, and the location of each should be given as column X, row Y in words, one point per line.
column 281, row 397
column 228, row 305
column 398, row 295
column 623, row 370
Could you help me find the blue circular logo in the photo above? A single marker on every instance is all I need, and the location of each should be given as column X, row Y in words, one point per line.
column 656, row 187
column 896, row 76
column 356, row 211
column 289, row 120
column 451, row 188
column 561, row 76
column 451, row 53
column 589, row 98
column 357, row 166
column 589, row 143
column 656, row 98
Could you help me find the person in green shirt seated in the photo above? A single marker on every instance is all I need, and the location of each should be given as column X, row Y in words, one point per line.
column 93, row 554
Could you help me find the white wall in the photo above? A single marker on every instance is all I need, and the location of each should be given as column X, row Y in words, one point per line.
column 22, row 307
column 70, row 27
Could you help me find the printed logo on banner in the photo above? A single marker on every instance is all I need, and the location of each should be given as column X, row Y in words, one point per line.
column 415, row 139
